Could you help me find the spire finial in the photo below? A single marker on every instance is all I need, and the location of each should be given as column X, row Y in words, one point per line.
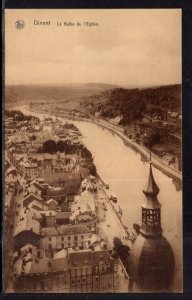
column 150, row 153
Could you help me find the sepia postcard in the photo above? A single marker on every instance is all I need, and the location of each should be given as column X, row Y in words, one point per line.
column 92, row 151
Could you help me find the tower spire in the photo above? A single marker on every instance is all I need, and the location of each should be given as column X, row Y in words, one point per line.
column 151, row 208
column 151, row 187
column 150, row 153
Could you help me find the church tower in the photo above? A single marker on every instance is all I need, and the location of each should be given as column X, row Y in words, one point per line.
column 151, row 261
column 151, row 209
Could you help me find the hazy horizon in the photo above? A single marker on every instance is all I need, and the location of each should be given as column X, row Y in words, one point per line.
column 92, row 83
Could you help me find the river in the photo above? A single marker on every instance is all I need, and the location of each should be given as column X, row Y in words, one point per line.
column 126, row 173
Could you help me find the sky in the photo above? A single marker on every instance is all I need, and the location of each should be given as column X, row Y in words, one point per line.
column 129, row 47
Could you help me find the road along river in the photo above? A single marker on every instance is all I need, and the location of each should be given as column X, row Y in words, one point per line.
column 126, row 173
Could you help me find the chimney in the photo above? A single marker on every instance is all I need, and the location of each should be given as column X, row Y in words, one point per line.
column 49, row 264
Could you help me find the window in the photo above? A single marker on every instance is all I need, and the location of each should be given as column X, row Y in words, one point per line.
column 62, row 238
column 82, row 237
column 115, row 267
column 103, row 269
column 97, row 278
column 64, row 281
column 75, row 238
column 78, row 272
column 62, row 245
column 73, row 281
column 83, row 280
column 79, row 280
column 73, row 272
column 69, row 238
column 49, row 238
column 144, row 215
column 58, row 281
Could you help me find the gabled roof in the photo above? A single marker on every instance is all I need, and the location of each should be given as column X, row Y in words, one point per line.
column 11, row 169
column 80, row 258
column 28, row 223
column 51, row 200
column 32, row 196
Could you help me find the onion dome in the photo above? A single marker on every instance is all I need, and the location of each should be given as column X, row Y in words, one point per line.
column 151, row 261
column 151, row 264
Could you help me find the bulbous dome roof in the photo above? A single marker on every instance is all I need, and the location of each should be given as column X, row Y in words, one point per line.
column 152, row 263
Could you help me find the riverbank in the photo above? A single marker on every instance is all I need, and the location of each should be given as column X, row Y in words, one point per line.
column 157, row 162
column 110, row 224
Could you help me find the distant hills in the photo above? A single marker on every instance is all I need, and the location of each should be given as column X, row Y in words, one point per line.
column 130, row 104
column 109, row 100
column 49, row 93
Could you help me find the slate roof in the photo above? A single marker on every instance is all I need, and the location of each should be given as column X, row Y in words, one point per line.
column 80, row 258
column 28, row 223
column 46, row 265
column 88, row 258
column 41, row 265
column 73, row 229
column 49, row 231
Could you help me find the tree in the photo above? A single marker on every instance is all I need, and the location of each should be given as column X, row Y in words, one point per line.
column 49, row 146
column 33, row 137
column 122, row 251
column 92, row 169
column 85, row 153
column 151, row 138
column 61, row 146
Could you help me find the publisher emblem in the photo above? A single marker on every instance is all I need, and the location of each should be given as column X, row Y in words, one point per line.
column 20, row 24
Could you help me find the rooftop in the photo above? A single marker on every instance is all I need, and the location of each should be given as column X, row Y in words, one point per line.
column 73, row 229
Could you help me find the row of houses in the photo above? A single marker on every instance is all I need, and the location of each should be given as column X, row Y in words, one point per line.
column 84, row 271
column 56, row 246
